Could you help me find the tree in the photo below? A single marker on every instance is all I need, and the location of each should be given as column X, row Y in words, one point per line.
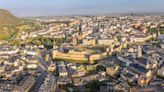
column 57, row 41
column 100, row 68
column 93, row 86
column 152, row 30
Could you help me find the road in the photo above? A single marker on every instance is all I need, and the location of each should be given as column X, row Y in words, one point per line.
column 43, row 65
column 39, row 80
column 106, row 62
column 42, row 69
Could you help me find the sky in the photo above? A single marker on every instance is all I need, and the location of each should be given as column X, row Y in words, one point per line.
column 80, row 7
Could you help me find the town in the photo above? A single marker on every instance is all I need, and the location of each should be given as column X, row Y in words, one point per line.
column 116, row 53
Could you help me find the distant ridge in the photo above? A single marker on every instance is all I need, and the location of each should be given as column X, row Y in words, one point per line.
column 6, row 18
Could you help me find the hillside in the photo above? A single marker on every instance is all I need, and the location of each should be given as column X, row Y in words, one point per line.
column 10, row 26
column 6, row 18
column 7, row 24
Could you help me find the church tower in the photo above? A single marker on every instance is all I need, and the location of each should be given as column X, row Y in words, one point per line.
column 158, row 31
column 139, row 52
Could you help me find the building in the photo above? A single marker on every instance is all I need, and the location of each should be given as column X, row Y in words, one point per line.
column 6, row 87
column 62, row 72
column 160, row 72
column 64, row 81
column 91, row 42
column 25, row 85
column 70, row 55
column 105, row 42
column 49, row 84
column 83, row 80
column 112, row 70
column 141, row 38
column 97, row 56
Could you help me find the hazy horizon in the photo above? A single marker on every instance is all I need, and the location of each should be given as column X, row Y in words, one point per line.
column 80, row 7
